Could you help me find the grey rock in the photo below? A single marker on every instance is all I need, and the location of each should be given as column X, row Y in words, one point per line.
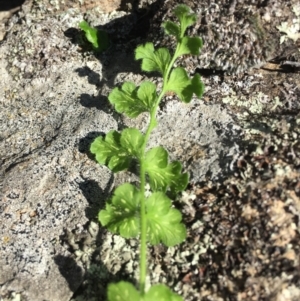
column 201, row 136
column 237, row 34
column 53, row 104
column 45, row 172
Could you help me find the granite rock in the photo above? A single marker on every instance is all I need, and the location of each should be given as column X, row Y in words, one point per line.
column 45, row 173
column 237, row 34
column 53, row 103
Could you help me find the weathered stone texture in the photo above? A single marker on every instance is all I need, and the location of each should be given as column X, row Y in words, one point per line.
column 54, row 6
column 43, row 170
column 237, row 34
column 48, row 119
column 53, row 103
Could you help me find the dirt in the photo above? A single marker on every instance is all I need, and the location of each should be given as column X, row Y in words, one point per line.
column 251, row 217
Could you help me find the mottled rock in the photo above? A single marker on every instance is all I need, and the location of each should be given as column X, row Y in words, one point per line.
column 53, row 103
column 237, row 34
column 56, row 6
column 45, row 174
column 50, row 113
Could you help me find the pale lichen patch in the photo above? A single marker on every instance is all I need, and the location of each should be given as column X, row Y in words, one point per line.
column 255, row 103
column 291, row 28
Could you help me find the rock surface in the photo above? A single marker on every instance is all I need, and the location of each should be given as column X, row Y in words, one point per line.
column 50, row 113
column 44, row 129
column 58, row 6
column 237, row 35
column 53, row 100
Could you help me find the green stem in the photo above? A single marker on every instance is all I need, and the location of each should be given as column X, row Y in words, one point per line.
column 143, row 247
column 174, row 58
column 152, row 125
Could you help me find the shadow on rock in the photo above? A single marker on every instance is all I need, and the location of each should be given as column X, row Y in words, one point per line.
column 96, row 280
column 93, row 77
column 117, row 58
column 11, row 4
column 95, row 196
column 70, row 270
column 90, row 188
column 100, row 102
column 230, row 140
column 85, row 143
